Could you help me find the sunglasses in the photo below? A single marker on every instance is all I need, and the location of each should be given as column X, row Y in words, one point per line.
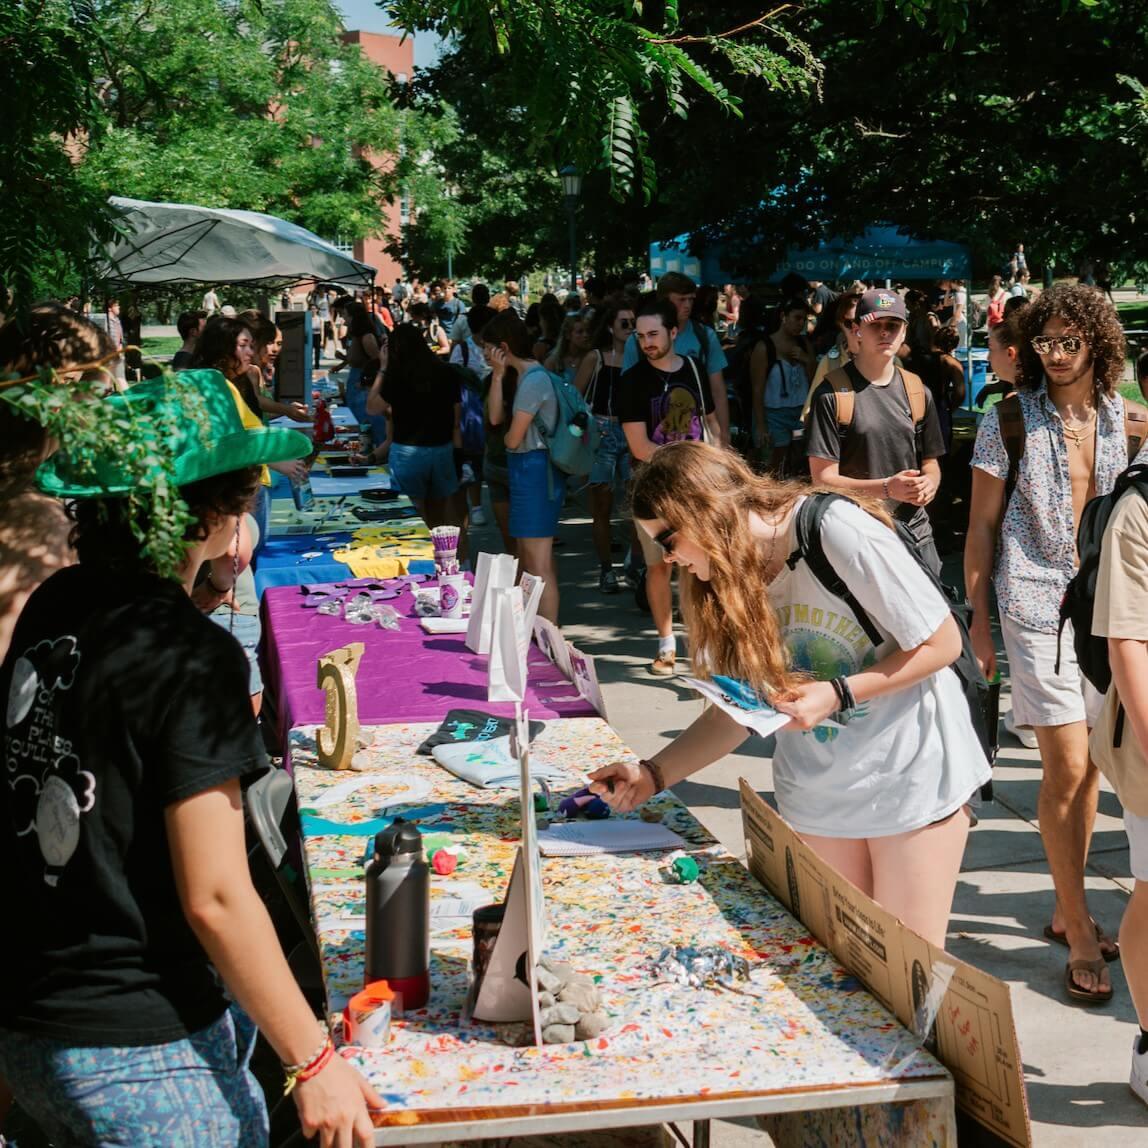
column 665, row 539
column 1046, row 344
column 626, row 324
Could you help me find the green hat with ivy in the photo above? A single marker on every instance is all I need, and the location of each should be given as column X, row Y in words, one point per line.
column 168, row 431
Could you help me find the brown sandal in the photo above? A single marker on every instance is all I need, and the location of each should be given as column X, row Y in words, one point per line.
column 1050, row 934
column 1086, row 996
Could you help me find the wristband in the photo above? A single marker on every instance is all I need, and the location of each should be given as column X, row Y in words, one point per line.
column 655, row 774
column 845, row 693
column 297, row 1073
column 885, row 487
column 836, row 684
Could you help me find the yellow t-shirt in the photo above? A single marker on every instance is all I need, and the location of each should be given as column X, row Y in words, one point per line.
column 251, row 421
column 1120, row 610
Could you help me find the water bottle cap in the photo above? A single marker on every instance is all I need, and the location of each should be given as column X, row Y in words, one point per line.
column 399, row 837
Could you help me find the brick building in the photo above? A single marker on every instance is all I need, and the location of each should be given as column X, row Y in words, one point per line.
column 397, row 56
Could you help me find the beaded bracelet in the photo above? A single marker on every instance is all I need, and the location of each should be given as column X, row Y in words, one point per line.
column 296, row 1073
column 655, row 774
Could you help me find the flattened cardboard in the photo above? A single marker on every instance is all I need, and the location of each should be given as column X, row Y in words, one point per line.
column 973, row 1036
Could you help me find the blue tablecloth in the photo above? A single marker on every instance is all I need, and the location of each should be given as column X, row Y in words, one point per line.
column 281, row 561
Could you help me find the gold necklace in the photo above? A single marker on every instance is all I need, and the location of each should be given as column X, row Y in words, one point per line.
column 1077, row 433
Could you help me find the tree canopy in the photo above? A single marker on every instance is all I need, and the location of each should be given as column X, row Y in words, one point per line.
column 981, row 123
column 253, row 104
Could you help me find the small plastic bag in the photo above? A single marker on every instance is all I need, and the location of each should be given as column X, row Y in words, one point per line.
column 386, row 616
column 359, row 610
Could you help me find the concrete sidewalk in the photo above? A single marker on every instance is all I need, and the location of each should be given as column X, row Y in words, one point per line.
column 1076, row 1059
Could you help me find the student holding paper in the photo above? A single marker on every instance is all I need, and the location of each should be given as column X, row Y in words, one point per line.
column 879, row 757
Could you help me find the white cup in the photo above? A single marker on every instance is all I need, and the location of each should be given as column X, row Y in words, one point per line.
column 452, row 588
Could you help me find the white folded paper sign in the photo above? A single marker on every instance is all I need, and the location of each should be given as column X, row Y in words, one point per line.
column 506, row 669
column 493, row 570
column 490, row 764
column 585, row 838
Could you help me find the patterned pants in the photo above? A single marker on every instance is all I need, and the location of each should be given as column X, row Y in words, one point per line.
column 184, row 1094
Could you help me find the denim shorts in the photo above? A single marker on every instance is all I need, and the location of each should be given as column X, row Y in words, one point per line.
column 612, row 460
column 782, row 422
column 182, row 1094
column 355, row 396
column 537, row 489
column 424, row 471
column 247, row 631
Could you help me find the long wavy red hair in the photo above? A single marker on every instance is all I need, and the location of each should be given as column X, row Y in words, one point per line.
column 708, row 494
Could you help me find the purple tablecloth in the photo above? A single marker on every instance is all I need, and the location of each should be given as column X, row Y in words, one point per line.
column 405, row 675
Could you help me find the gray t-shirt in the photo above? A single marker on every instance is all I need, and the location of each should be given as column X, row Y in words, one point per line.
column 902, row 760
column 536, row 396
column 881, row 440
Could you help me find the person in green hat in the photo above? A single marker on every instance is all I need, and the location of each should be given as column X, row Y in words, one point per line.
column 127, row 732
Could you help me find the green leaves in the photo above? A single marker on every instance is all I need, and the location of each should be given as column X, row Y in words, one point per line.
column 238, row 104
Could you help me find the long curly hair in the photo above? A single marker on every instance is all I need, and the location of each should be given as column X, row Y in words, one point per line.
column 1085, row 309
column 709, row 494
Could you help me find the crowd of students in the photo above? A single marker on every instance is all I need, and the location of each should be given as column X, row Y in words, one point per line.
column 786, row 465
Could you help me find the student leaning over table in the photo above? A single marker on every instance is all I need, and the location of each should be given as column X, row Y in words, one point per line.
column 883, row 798
column 128, row 729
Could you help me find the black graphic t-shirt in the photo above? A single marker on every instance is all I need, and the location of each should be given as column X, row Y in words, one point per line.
column 121, row 698
column 672, row 404
column 472, row 725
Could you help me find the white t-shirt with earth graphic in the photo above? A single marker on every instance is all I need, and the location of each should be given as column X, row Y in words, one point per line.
column 904, row 760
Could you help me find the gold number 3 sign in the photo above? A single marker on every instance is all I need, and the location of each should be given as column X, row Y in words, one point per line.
column 338, row 736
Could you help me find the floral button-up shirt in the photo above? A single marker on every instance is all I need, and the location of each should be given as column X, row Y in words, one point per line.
column 1036, row 552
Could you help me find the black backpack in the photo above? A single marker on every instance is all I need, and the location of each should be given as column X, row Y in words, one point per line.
column 973, row 683
column 1076, row 605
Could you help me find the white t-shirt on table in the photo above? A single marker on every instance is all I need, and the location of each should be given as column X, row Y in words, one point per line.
column 903, row 760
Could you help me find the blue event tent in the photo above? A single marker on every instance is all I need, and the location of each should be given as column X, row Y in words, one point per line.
column 878, row 253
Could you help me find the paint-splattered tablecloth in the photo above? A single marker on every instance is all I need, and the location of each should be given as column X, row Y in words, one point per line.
column 802, row 1023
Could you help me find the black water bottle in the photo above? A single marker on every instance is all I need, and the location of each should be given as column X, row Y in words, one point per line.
column 398, row 914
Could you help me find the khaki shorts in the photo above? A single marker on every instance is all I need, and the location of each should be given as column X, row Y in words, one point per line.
column 1137, row 830
column 1041, row 696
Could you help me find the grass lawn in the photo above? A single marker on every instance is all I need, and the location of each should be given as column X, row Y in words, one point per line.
column 1134, row 315
column 161, row 348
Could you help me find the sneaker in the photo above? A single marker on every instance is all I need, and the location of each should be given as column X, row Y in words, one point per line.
column 477, row 516
column 663, row 665
column 1025, row 736
column 608, row 582
column 1138, row 1078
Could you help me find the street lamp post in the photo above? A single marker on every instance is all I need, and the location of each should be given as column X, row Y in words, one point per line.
column 572, row 187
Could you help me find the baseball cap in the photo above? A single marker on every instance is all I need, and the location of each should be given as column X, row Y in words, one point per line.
column 881, row 304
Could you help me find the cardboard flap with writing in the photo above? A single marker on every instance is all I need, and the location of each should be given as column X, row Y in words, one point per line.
column 974, row 1036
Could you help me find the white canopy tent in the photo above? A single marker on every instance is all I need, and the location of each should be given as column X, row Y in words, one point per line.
column 166, row 244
